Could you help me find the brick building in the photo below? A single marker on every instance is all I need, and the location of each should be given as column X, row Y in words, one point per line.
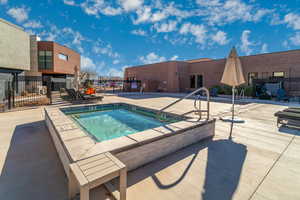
column 57, row 62
column 184, row 76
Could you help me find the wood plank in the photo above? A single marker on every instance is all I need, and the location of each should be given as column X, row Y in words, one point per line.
column 82, row 180
column 99, row 168
column 123, row 184
column 115, row 160
column 91, row 159
column 104, row 179
column 94, row 163
column 101, row 174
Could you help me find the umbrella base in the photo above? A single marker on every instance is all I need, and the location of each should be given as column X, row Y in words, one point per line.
column 229, row 119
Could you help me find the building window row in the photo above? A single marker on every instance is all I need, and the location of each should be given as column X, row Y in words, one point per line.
column 45, row 60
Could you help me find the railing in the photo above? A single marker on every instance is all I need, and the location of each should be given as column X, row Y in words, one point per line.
column 198, row 110
column 240, row 95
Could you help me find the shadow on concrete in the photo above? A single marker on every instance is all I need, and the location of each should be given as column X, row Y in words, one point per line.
column 223, row 168
column 225, row 160
column 32, row 169
column 149, row 170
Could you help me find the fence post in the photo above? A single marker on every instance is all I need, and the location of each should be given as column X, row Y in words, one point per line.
column 49, row 95
column 9, row 94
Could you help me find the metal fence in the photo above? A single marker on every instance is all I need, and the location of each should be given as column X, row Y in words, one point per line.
column 114, row 86
column 290, row 85
column 23, row 91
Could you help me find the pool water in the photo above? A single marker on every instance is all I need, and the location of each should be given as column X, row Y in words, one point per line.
column 110, row 124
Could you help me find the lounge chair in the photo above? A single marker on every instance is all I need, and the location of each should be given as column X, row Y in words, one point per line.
column 292, row 109
column 72, row 94
column 281, row 95
column 288, row 118
column 79, row 96
column 88, row 97
column 214, row 92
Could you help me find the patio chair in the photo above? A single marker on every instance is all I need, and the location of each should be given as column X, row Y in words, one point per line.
column 214, row 92
column 281, row 95
column 292, row 109
column 88, row 97
column 79, row 96
column 288, row 118
column 71, row 94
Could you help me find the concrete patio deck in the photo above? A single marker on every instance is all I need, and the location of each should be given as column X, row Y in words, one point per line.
column 261, row 162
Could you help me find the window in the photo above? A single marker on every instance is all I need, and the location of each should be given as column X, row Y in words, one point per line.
column 278, row 74
column 199, row 81
column 251, row 76
column 63, row 57
column 192, row 81
column 45, row 60
column 196, row 81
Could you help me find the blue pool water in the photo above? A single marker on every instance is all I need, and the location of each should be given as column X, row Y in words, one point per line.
column 110, row 124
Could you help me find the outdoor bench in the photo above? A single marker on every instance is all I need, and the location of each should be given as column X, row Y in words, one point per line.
column 94, row 171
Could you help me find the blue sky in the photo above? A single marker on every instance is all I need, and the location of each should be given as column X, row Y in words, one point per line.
column 111, row 35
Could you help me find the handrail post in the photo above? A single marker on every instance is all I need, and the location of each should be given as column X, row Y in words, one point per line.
column 187, row 96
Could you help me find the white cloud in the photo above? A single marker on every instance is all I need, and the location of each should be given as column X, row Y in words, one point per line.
column 151, row 58
column 3, row 1
column 246, row 43
column 75, row 36
column 275, row 20
column 116, row 62
column 285, row 44
column 166, row 27
column 97, row 7
column 87, row 64
column 264, row 48
column 33, row 24
column 112, row 11
column 216, row 12
column 158, row 16
column 295, row 40
column 293, row 20
column 130, row 5
column 115, row 72
column 20, row 14
column 139, row 32
column 174, row 57
column 69, row 2
column 260, row 14
column 220, row 37
column 100, row 48
column 199, row 31
column 143, row 15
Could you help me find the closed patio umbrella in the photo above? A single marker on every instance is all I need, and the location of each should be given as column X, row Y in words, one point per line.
column 233, row 76
column 76, row 78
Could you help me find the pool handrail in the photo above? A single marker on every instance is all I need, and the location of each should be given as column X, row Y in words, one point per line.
column 189, row 95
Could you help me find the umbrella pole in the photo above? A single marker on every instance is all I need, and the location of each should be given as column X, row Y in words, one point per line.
column 232, row 117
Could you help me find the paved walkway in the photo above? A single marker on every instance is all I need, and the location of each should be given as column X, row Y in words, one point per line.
column 261, row 162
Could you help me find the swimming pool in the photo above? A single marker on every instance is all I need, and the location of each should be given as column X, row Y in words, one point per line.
column 110, row 124
column 109, row 121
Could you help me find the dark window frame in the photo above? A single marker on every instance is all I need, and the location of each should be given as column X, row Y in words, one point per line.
column 193, row 81
column 45, row 60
